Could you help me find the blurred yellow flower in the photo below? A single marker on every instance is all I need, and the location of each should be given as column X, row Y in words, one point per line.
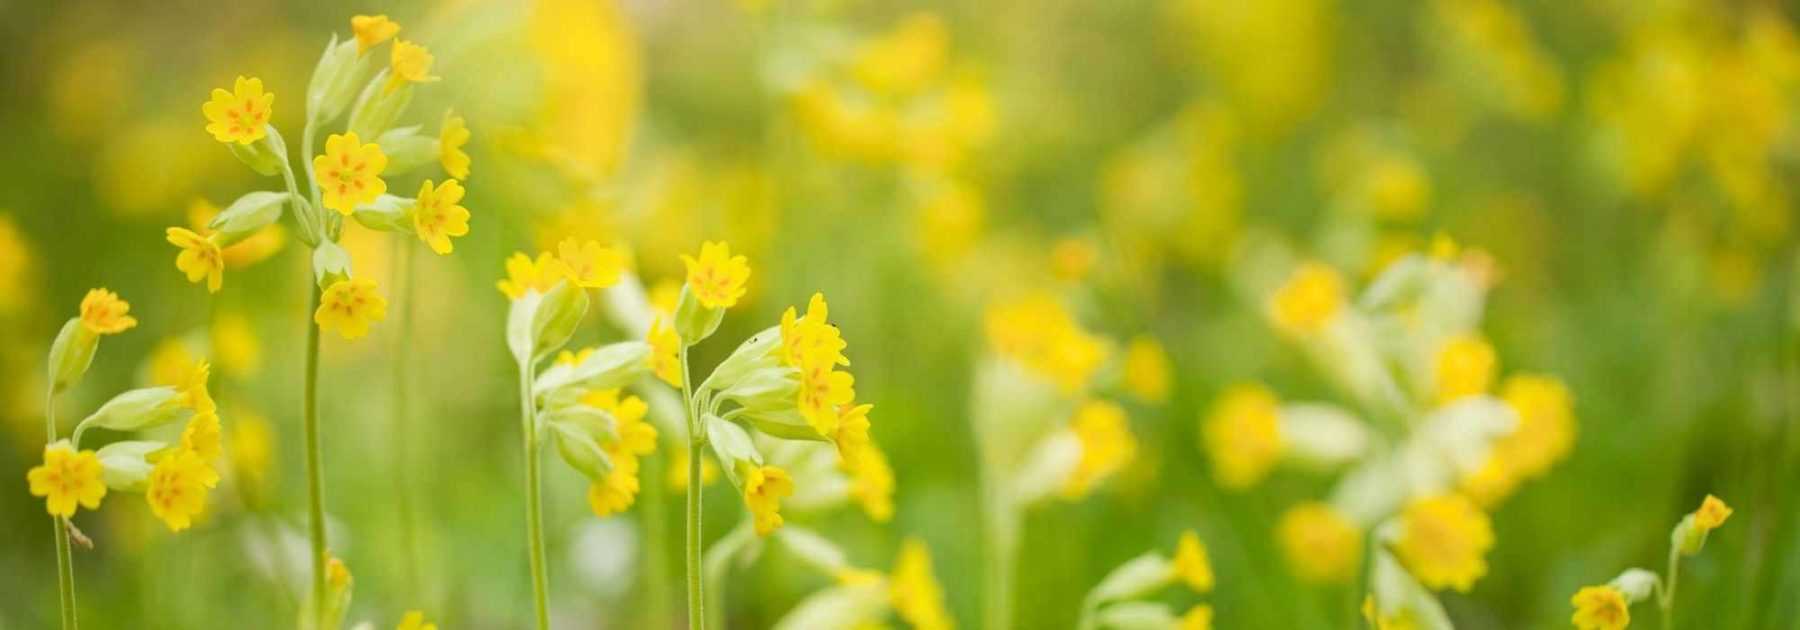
column 241, row 115
column 1321, row 544
column 915, row 592
column 1071, row 259
column 1106, row 446
column 192, row 387
column 764, row 487
column 665, row 352
column 372, row 30
column 66, row 478
column 1712, row 513
column 617, row 490
column 169, row 363
column 15, row 263
column 1198, row 618
column 665, row 295
column 415, row 620
column 590, row 264
column 199, row 258
column 410, row 63
column 451, row 138
column 1601, row 608
column 1310, row 299
column 852, row 436
column 1465, row 366
column 103, row 313
column 1242, row 435
column 716, row 278
column 872, row 483
column 1147, row 369
column 950, row 222
column 350, row 172
column 235, row 345
column 1443, row 541
column 252, row 451
column 202, row 436
column 1544, row 435
column 822, row 391
column 523, row 275
column 904, row 60
column 1042, row 335
column 350, row 306
column 178, row 487
column 1191, row 565
column 439, row 215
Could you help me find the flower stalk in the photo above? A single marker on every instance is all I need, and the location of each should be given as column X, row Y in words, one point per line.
column 534, row 525
column 315, row 473
column 65, row 562
column 397, row 427
column 696, row 445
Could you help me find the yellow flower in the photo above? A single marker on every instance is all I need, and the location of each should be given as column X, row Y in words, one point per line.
column 1443, row 540
column 915, row 591
column 590, row 264
column 810, row 336
column 1312, row 297
column 665, row 352
column 350, row 306
column 716, row 278
column 852, row 436
column 1242, row 435
column 415, row 620
column 1106, row 445
column 1042, row 335
column 523, row 275
column 764, row 487
column 904, row 60
column 103, row 313
column 634, row 436
column 451, row 138
column 241, row 115
column 1198, row 618
column 617, row 491
column 202, row 436
column 1191, row 564
column 1465, row 366
column 1147, row 369
column 350, row 172
column 234, row 343
column 372, row 30
column 252, row 450
column 192, row 386
column 1712, row 513
column 1601, row 608
column 1545, row 433
column 410, row 63
column 872, row 483
column 199, row 258
column 437, row 215
column 665, row 295
column 678, row 471
column 822, row 391
column 67, row 478
column 178, row 487
column 1321, row 544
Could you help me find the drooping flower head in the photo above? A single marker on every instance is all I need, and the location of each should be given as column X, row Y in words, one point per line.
column 1312, row 297
column 350, row 307
column 410, row 63
column 1106, row 445
column 1191, row 565
column 66, row 478
column 524, row 275
column 372, row 30
column 1444, row 540
column 872, row 483
column 241, row 115
column 350, row 172
column 202, row 436
column 665, row 352
column 914, row 590
column 193, row 387
column 615, row 492
column 103, row 313
column 822, row 391
column 439, row 215
column 764, row 488
column 1321, row 544
column 717, row 278
column 451, row 139
column 1712, row 513
column 200, row 257
column 852, row 436
column 811, row 335
column 178, row 487
column 590, row 264
column 1242, row 435
column 1601, row 608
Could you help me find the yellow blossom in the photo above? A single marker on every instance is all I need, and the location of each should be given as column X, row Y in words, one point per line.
column 235, row 345
column 822, row 391
column 915, row 592
column 1147, row 369
column 438, row 215
column 1106, row 445
column 241, row 115
column 1443, row 541
column 415, row 620
column 811, row 335
column 904, row 60
column 1544, row 435
column 252, row 450
column 1042, row 335
column 1310, row 299
column 170, row 363
column 350, row 172
column 852, row 436
column 635, row 437
column 1191, row 565
column 1321, row 544
column 665, row 295
column 410, row 63
column 617, row 490
column 202, row 436
column 350, row 306
column 200, row 257
column 1601, row 608
column 716, row 278
column 872, row 483
column 451, row 138
column 67, row 478
column 192, row 386
column 103, row 313
column 1465, row 366
column 764, row 487
column 1198, row 618
column 590, row 264
column 1242, row 435
column 665, row 352
column 372, row 30
column 178, row 487
column 1712, row 513
column 522, row 274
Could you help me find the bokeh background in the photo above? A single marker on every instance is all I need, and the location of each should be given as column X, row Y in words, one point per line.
column 1626, row 164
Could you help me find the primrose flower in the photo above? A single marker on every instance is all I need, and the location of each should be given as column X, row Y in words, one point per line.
column 1147, row 370
column 523, row 275
column 915, row 592
column 192, row 386
column 764, row 487
column 451, row 138
column 200, row 257
column 202, row 436
column 852, row 436
column 350, row 172
column 590, row 264
column 103, row 313
column 665, row 352
column 1545, row 433
column 1321, row 544
column 1191, row 564
column 410, row 63
column 1443, row 540
column 872, row 484
column 67, row 478
column 803, row 337
column 617, row 490
column 1465, row 366
column 350, row 306
column 437, row 215
column 1243, row 435
column 241, row 115
column 178, row 487
column 1106, row 445
column 1712, row 513
column 822, row 391
column 372, row 30
column 1198, row 618
column 415, row 620
column 716, row 278
column 1042, row 335
column 1312, row 297
column 1601, row 608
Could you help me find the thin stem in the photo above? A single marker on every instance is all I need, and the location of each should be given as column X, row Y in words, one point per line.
column 656, row 542
column 65, row 561
column 315, row 473
column 1666, row 597
column 1002, row 550
column 696, row 596
column 397, row 428
column 534, row 523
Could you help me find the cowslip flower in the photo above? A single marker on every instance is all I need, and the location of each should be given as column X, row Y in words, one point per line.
column 349, row 307
column 451, row 138
column 350, row 172
column 615, row 492
column 665, row 352
column 200, row 257
column 1464, row 366
column 811, row 335
column 67, row 478
column 1198, row 618
column 1601, row 608
column 1443, row 541
column 1191, row 564
column 1310, row 299
column 410, row 63
column 717, row 278
column 1321, row 544
column 193, row 389
column 202, row 436
column 372, row 30
column 523, row 274
column 914, row 590
column 235, row 345
column 1545, row 433
column 178, row 487
column 1041, row 334
column 852, row 436
column 1106, row 446
column 872, row 483
column 1147, row 370
column 103, row 313
column 590, row 264
column 241, row 115
column 438, row 215
column 1712, row 513
column 1242, row 435
column 822, row 391
column 764, row 488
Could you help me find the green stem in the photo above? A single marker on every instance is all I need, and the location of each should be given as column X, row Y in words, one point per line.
column 534, row 523
column 656, row 542
column 696, row 439
column 65, row 561
column 397, row 428
column 1002, row 550
column 1666, row 598
column 315, row 475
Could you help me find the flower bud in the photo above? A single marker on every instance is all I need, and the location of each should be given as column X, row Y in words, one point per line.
column 733, row 447
column 754, row 354
column 251, row 212
column 126, row 465
column 334, row 79
column 70, row 355
column 577, row 444
column 1688, row 537
column 407, row 149
column 693, row 322
column 265, row 156
column 1136, row 578
column 613, row 365
column 135, row 410
column 331, row 264
column 556, row 318
column 388, row 214
column 1138, row 616
column 379, row 107
column 772, row 388
column 1636, row 584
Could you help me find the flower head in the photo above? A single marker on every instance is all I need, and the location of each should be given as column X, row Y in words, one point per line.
column 811, row 336
column 822, row 391
column 451, row 138
column 665, row 352
column 1712, row 513
column 202, row 436
column 1198, row 618
column 438, row 215
column 1191, row 564
column 1312, row 297
column 241, row 115
column 872, row 483
column 590, row 264
column 103, row 313
column 1321, row 544
column 350, row 172
column 1443, row 540
column 200, row 257
column 193, row 388
column 178, row 487
column 1465, row 366
column 852, row 436
column 523, row 274
column 350, row 306
column 415, row 620
column 1106, row 445
column 716, row 278
column 67, row 478
column 915, row 591
column 764, row 487
column 410, row 63
column 1545, row 433
column 372, row 30
column 1242, row 435
column 1601, row 608
column 615, row 492
column 1041, row 334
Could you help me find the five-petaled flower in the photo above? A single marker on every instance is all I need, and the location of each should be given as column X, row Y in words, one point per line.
column 103, row 313
column 350, row 172
column 590, row 264
column 764, row 487
column 350, row 306
column 523, row 274
column 178, row 487
column 716, row 278
column 451, row 138
column 437, row 215
column 241, row 115
column 200, row 257
column 410, row 63
column 67, row 478
column 371, row 30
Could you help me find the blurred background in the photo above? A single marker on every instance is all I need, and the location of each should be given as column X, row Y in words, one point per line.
column 1626, row 165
